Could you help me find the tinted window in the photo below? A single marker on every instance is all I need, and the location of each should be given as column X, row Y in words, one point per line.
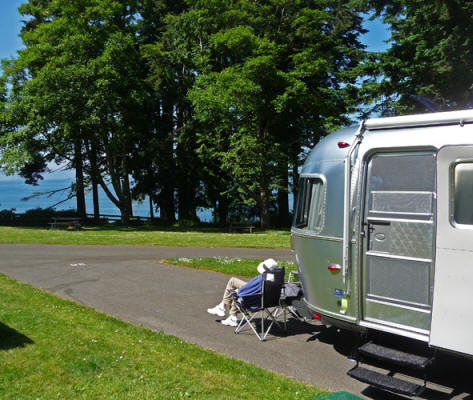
column 310, row 204
column 463, row 199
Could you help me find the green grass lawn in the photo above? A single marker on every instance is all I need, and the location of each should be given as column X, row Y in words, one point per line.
column 52, row 348
column 146, row 236
column 226, row 265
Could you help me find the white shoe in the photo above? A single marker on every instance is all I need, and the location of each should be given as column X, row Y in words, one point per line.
column 217, row 310
column 230, row 321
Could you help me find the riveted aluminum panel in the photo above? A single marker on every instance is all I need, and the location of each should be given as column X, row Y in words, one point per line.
column 412, row 239
column 402, row 318
column 323, row 289
column 398, row 280
column 403, row 238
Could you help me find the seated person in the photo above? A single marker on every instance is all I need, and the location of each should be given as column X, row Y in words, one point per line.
column 237, row 284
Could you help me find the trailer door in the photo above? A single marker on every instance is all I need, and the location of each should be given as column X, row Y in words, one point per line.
column 452, row 315
column 399, row 223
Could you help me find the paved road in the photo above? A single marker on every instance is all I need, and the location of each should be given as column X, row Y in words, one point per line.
column 130, row 283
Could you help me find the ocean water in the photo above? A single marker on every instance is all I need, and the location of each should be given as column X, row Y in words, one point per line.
column 13, row 194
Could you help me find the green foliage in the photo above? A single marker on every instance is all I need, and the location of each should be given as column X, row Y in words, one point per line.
column 430, row 55
column 75, row 90
column 201, row 103
column 270, row 75
column 34, row 217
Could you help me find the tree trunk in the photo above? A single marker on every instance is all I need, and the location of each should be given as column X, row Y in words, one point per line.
column 95, row 198
column 80, row 194
column 151, row 211
column 126, row 209
column 283, row 194
column 186, row 205
column 95, row 184
column 166, row 167
column 265, row 219
column 222, row 210
column 186, row 171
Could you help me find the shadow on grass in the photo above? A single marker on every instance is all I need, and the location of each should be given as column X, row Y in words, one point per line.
column 10, row 338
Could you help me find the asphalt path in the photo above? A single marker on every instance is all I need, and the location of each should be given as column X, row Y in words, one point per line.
column 131, row 283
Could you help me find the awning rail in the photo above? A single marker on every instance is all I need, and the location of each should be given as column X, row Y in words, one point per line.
column 431, row 119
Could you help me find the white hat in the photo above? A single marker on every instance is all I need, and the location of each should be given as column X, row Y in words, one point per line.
column 266, row 264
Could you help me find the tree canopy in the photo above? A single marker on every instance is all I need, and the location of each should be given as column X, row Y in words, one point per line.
column 213, row 103
column 430, row 55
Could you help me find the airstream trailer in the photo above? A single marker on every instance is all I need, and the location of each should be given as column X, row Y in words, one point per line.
column 383, row 228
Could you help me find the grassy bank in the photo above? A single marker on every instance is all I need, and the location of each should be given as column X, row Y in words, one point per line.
column 51, row 348
column 226, row 265
column 146, row 236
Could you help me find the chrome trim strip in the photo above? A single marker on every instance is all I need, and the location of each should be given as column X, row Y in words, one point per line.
column 347, row 232
column 398, row 212
column 386, row 255
column 395, row 303
column 417, row 221
column 311, row 234
column 381, row 326
column 402, row 191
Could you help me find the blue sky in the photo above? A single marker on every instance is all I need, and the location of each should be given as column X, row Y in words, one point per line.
column 10, row 26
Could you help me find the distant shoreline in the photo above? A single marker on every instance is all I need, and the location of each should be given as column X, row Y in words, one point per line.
column 13, row 191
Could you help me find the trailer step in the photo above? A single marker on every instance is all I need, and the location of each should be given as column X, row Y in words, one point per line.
column 385, row 382
column 394, row 356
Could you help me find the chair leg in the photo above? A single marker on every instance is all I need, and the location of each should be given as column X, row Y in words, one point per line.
column 247, row 319
column 285, row 318
column 250, row 318
column 275, row 314
column 263, row 336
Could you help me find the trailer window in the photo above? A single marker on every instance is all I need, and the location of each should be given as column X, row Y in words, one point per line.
column 310, row 204
column 463, row 186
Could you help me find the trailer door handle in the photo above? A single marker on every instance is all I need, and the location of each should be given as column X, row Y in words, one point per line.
column 377, row 222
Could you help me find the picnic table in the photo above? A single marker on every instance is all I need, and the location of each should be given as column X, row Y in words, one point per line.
column 241, row 227
column 74, row 222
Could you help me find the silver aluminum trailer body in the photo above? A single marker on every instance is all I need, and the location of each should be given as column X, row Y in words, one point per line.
column 383, row 228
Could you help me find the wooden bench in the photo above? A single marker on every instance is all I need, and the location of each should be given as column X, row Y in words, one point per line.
column 74, row 222
column 241, row 228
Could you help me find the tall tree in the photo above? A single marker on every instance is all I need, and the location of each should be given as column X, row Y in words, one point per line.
column 77, row 88
column 171, row 74
column 430, row 55
column 272, row 74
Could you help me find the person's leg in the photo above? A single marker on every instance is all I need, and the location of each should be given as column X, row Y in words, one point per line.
column 233, row 284
column 219, row 309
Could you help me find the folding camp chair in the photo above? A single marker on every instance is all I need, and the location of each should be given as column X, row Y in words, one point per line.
column 252, row 304
column 292, row 291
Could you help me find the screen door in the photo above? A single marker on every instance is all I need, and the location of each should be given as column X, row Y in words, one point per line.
column 399, row 224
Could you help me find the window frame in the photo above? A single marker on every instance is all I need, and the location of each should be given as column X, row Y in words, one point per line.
column 452, row 188
column 303, row 181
